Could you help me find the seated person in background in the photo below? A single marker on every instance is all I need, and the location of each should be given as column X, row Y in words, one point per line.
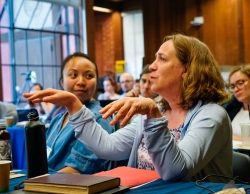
column 109, row 86
column 54, row 111
column 65, row 152
column 118, row 89
column 126, row 82
column 145, row 89
column 8, row 109
column 136, row 85
column 43, row 108
column 191, row 140
column 238, row 107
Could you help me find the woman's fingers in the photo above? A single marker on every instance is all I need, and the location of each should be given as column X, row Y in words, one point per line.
column 136, row 93
column 129, row 114
column 118, row 107
column 111, row 108
column 122, row 114
column 26, row 95
column 48, row 95
column 106, row 108
column 39, row 94
column 133, row 93
column 124, row 109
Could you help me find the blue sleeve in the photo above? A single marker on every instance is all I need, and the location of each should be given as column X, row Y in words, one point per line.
column 84, row 160
column 115, row 146
column 208, row 136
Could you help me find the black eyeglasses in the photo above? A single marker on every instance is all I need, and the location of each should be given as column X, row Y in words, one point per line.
column 239, row 84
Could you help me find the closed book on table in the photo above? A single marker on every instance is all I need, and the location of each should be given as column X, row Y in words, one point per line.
column 71, row 183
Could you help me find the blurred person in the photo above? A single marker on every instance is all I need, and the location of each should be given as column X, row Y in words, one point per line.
column 126, row 82
column 238, row 107
column 54, row 112
column 118, row 89
column 43, row 108
column 136, row 85
column 8, row 109
column 191, row 140
column 109, row 86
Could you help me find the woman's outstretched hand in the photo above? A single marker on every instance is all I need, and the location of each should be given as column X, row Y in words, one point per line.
column 58, row 97
column 126, row 107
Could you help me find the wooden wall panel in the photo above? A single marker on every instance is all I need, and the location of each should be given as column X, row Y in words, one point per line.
column 161, row 18
column 118, row 38
column 108, row 41
column 226, row 29
column 192, row 9
column 104, row 43
column 152, row 29
column 98, row 42
column 221, row 31
column 246, row 29
column 90, row 28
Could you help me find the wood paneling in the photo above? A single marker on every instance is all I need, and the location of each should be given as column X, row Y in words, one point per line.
column 226, row 29
column 108, row 42
column 246, row 29
column 221, row 32
column 90, row 23
column 118, row 38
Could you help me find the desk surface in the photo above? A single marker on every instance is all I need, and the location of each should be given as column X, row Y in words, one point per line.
column 15, row 181
column 160, row 186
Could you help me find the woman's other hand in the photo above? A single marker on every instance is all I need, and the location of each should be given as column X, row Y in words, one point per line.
column 126, row 107
column 58, row 97
column 133, row 93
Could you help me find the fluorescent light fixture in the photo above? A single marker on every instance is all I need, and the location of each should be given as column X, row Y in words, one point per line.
column 101, row 9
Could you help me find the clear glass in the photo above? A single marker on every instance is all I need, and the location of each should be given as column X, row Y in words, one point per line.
column 245, row 134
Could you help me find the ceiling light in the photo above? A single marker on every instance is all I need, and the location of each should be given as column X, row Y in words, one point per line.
column 101, row 9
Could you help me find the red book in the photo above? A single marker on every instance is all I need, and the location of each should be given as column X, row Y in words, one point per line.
column 131, row 177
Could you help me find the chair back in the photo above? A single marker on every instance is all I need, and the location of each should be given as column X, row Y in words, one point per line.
column 241, row 167
column 22, row 114
column 115, row 164
column 104, row 103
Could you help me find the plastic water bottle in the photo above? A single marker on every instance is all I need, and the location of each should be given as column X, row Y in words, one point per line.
column 35, row 145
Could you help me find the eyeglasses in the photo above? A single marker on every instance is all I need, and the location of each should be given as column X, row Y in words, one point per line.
column 126, row 81
column 239, row 84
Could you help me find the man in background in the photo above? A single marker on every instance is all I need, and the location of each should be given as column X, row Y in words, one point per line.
column 126, row 82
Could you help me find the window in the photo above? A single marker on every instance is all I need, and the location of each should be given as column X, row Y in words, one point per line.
column 35, row 37
column 133, row 42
